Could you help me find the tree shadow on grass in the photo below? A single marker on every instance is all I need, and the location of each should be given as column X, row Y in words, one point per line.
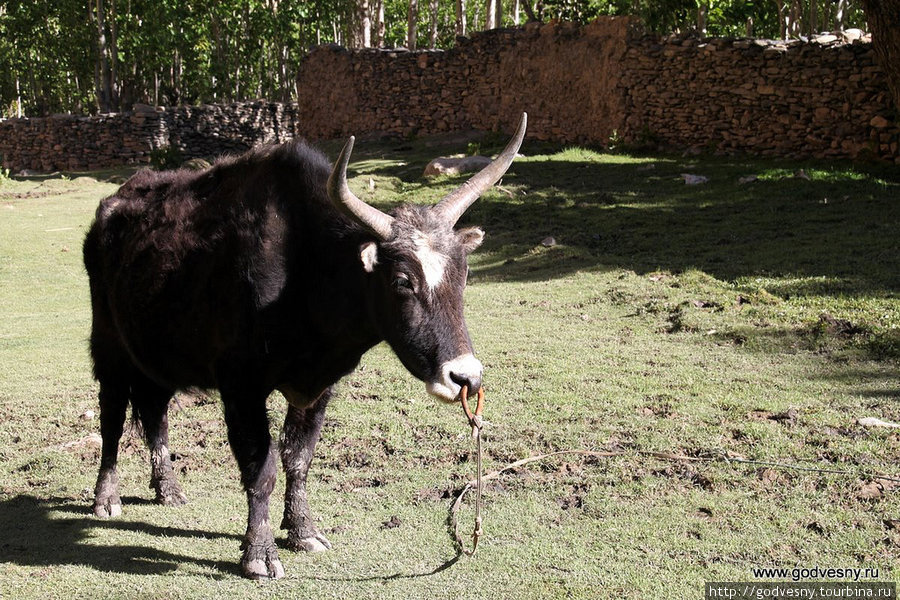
column 834, row 233
column 32, row 533
column 837, row 227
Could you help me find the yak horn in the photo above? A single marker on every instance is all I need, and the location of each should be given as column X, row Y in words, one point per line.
column 454, row 204
column 346, row 201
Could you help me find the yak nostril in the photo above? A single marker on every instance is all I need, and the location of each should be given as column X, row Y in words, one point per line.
column 472, row 382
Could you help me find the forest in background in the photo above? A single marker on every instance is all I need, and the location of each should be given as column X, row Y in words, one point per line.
column 100, row 56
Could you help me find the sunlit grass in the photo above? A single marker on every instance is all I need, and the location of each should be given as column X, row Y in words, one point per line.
column 724, row 320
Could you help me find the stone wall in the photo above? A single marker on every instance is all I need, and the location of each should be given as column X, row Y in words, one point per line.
column 85, row 143
column 824, row 98
column 566, row 77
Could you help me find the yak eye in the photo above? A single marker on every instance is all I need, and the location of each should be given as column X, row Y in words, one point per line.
column 402, row 282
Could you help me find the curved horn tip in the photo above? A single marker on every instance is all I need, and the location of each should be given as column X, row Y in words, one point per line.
column 348, row 148
column 454, row 204
column 347, row 202
column 523, row 125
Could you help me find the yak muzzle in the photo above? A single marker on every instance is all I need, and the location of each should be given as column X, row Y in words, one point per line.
column 465, row 370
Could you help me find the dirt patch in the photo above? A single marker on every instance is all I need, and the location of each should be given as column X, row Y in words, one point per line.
column 575, row 497
column 789, row 417
column 432, row 494
column 359, row 483
column 356, row 453
column 837, row 327
column 392, row 523
column 685, row 474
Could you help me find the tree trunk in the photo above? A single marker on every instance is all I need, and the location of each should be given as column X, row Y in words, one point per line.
column 102, row 60
column 114, row 58
column 364, row 37
column 840, row 9
column 411, row 21
column 433, row 30
column 702, row 12
column 176, row 74
column 18, row 98
column 813, row 17
column 530, row 13
column 883, row 17
column 32, row 79
column 796, row 17
column 379, row 23
column 489, row 15
column 460, row 17
column 782, row 23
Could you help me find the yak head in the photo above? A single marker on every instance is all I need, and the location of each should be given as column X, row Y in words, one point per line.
column 417, row 267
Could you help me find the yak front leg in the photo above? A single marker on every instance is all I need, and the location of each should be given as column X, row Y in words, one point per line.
column 302, row 427
column 248, row 435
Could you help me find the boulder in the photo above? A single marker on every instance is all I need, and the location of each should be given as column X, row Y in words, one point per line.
column 454, row 165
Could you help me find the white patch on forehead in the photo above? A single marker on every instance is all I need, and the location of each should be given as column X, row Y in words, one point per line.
column 433, row 263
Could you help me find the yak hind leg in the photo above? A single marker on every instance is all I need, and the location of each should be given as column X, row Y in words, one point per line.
column 251, row 443
column 113, row 405
column 302, row 427
column 113, row 374
column 151, row 407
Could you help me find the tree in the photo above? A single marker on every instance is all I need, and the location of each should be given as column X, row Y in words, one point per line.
column 412, row 20
column 99, row 55
column 884, row 19
column 460, row 17
column 433, row 10
column 364, row 19
column 379, row 23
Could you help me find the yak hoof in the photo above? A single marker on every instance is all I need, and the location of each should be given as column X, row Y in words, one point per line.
column 261, row 562
column 169, row 493
column 107, row 509
column 313, row 543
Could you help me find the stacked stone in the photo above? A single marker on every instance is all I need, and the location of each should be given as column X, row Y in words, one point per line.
column 821, row 98
column 562, row 74
column 68, row 143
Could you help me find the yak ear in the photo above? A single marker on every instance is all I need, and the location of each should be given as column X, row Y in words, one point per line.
column 368, row 254
column 470, row 238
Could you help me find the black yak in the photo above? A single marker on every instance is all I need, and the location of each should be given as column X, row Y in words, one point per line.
column 265, row 272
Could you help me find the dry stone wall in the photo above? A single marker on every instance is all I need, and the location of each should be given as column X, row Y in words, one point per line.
column 824, row 98
column 85, row 143
column 815, row 99
column 564, row 75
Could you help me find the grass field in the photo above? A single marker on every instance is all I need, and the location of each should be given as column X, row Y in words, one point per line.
column 723, row 322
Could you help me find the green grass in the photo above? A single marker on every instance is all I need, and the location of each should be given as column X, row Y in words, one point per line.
column 755, row 321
